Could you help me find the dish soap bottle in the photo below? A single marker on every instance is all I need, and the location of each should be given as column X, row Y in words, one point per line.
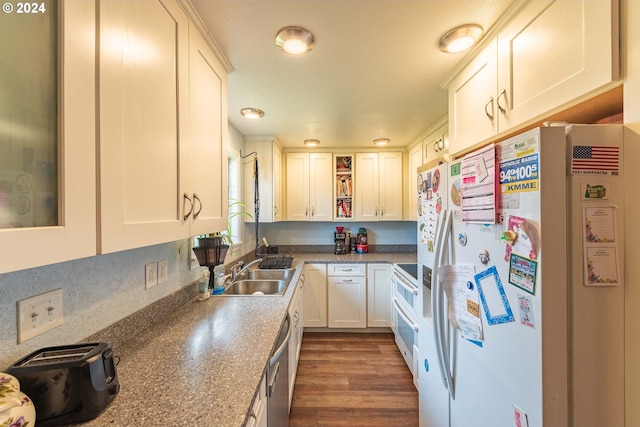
column 218, row 279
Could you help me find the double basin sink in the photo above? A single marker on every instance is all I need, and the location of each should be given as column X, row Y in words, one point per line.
column 261, row 282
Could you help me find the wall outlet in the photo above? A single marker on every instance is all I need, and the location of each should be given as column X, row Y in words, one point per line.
column 150, row 275
column 163, row 271
column 38, row 314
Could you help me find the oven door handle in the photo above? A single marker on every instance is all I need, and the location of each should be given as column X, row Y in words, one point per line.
column 406, row 318
column 409, row 288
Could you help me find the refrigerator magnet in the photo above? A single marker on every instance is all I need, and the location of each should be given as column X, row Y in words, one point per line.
column 523, row 273
column 525, row 306
column 494, row 300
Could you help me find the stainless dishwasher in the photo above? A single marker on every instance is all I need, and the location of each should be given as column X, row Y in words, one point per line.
column 278, row 391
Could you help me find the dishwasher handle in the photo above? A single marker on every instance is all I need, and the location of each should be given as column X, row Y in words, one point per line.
column 276, row 354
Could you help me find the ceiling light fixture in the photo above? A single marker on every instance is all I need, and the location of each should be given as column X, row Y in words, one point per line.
column 311, row 142
column 295, row 40
column 460, row 38
column 252, row 113
column 381, row 141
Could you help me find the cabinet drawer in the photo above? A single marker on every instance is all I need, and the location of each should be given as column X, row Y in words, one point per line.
column 346, row 269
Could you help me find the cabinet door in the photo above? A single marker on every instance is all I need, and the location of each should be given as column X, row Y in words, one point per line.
column 277, row 183
column 473, row 114
column 315, row 295
column 143, row 60
column 379, row 295
column 554, row 52
column 298, row 186
column 47, row 238
column 390, row 186
column 295, row 342
column 366, row 194
column 415, row 161
column 347, row 306
column 321, row 186
column 208, row 123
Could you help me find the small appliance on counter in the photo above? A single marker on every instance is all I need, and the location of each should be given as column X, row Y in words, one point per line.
column 340, row 241
column 361, row 241
column 70, row 383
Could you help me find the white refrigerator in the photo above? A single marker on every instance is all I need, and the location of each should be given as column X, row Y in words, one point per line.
column 520, row 256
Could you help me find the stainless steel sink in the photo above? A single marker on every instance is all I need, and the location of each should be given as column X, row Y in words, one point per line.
column 273, row 274
column 257, row 287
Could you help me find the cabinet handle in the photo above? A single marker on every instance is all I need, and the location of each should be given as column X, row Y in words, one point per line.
column 306, row 211
column 313, row 211
column 347, row 280
column 275, row 210
column 376, row 211
column 184, row 201
column 382, row 211
column 195, row 197
column 503, row 93
column 489, row 115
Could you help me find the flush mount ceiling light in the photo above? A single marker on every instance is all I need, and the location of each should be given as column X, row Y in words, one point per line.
column 294, row 40
column 381, row 141
column 311, row 142
column 252, row 113
column 460, row 38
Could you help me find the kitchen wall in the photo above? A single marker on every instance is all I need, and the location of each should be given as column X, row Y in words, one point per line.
column 631, row 70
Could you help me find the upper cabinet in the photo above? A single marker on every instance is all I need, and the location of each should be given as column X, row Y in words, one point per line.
column 552, row 54
column 344, row 186
column 415, row 161
column 269, row 155
column 162, row 119
column 378, row 186
column 310, row 187
column 47, row 172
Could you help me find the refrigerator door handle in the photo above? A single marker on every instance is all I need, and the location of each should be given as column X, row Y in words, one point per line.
column 435, row 301
column 445, row 344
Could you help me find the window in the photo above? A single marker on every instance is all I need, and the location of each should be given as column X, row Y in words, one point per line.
column 233, row 192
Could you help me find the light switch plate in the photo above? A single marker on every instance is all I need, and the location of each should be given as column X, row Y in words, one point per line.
column 38, row 314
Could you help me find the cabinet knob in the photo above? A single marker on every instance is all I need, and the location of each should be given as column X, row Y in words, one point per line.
column 503, row 93
column 195, row 197
column 185, row 198
column 489, row 114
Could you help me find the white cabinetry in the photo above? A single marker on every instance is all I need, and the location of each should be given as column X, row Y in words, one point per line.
column 258, row 415
column 379, row 295
column 436, row 145
column 378, row 184
column 315, row 295
column 74, row 236
column 162, row 164
column 310, row 187
column 347, row 295
column 269, row 178
column 550, row 55
column 415, row 161
column 296, row 313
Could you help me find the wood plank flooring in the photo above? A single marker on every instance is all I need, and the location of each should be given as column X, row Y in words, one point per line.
column 352, row 380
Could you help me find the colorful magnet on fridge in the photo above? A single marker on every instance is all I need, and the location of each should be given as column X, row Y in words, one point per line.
column 462, row 239
column 509, row 236
column 484, row 256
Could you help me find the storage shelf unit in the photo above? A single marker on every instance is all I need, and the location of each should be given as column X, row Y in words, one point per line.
column 343, row 166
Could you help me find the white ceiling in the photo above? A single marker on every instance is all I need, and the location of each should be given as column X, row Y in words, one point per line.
column 375, row 70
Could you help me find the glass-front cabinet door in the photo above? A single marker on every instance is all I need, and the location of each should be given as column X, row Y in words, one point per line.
column 47, row 133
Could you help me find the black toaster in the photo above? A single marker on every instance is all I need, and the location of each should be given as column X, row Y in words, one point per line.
column 68, row 384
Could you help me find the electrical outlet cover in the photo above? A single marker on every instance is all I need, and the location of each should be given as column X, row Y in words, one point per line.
column 163, row 271
column 151, row 275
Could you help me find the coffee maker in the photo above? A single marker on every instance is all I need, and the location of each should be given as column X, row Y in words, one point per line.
column 340, row 241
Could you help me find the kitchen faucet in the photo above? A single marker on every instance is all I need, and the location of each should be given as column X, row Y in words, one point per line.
column 238, row 269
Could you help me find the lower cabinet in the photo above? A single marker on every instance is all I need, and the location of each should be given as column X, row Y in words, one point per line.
column 347, row 296
column 315, row 295
column 378, row 295
column 258, row 415
column 296, row 309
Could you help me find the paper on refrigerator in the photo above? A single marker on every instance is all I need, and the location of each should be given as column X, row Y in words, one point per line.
column 464, row 305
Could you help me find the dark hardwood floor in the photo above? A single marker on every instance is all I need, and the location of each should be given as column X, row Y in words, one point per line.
column 353, row 380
